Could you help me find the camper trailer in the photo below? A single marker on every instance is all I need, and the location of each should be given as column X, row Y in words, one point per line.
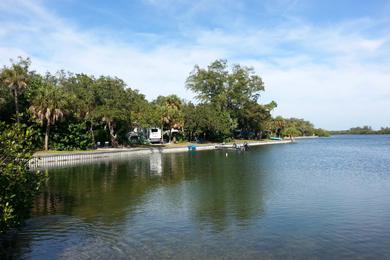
column 145, row 135
column 154, row 135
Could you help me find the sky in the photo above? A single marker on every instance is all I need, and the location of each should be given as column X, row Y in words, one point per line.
column 325, row 61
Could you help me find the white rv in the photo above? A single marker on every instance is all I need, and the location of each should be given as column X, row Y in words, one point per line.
column 139, row 135
column 154, row 135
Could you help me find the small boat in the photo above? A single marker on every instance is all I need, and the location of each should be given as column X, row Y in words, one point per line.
column 225, row 146
column 275, row 138
column 243, row 147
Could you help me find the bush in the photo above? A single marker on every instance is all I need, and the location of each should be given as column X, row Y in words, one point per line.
column 72, row 136
column 321, row 132
column 291, row 131
column 18, row 185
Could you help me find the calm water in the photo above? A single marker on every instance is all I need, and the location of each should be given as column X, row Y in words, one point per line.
column 320, row 198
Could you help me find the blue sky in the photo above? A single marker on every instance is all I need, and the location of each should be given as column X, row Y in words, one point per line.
column 325, row 61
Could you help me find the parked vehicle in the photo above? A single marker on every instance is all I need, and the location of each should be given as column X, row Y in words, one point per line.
column 145, row 135
column 154, row 135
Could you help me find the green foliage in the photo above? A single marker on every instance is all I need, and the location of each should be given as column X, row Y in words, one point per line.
column 221, row 87
column 72, row 136
column 7, row 109
column 140, row 110
column 18, row 185
column 384, row 130
column 365, row 130
column 233, row 95
column 293, row 126
column 321, row 132
column 112, row 104
column 291, row 131
column 253, row 116
column 15, row 78
column 74, row 111
column 48, row 105
column 169, row 112
column 207, row 122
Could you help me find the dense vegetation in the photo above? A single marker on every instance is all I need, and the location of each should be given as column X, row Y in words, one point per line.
column 75, row 111
column 18, row 185
column 365, row 130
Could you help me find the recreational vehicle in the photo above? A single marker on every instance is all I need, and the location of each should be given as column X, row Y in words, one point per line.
column 145, row 135
column 154, row 135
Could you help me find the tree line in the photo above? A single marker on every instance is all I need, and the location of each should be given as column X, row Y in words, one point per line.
column 364, row 130
column 74, row 111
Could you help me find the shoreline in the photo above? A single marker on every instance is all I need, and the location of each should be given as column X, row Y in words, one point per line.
column 40, row 160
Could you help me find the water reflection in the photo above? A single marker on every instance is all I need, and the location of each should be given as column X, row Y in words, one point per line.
column 156, row 166
column 229, row 190
column 310, row 200
column 222, row 189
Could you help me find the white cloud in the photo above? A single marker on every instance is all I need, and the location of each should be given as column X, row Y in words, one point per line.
column 336, row 77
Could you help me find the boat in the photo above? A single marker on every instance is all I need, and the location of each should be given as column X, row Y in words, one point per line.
column 243, row 147
column 276, row 138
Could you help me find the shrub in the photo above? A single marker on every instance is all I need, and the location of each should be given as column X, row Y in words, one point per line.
column 18, row 185
column 72, row 136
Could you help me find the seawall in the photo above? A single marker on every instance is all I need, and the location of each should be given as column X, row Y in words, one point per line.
column 71, row 158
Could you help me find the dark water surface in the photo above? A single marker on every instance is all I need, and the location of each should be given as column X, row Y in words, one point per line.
column 319, row 198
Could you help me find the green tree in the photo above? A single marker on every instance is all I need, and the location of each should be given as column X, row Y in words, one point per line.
column 235, row 92
column 223, row 88
column 140, row 109
column 48, row 107
column 80, row 89
column 112, row 105
column 16, row 79
column 207, row 122
column 253, row 117
column 170, row 112
column 291, row 131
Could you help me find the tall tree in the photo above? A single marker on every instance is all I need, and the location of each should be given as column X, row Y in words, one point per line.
column 171, row 114
column 48, row 106
column 234, row 91
column 140, row 109
column 80, row 89
column 16, row 79
column 253, row 117
column 112, row 104
column 205, row 121
column 223, row 88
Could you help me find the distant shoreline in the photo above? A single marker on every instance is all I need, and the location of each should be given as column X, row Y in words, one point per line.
column 359, row 134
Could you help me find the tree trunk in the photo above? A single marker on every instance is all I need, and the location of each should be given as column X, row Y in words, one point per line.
column 16, row 105
column 170, row 135
column 162, row 134
column 47, row 132
column 92, row 135
column 113, row 136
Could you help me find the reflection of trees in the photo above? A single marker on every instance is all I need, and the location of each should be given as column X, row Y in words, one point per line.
column 229, row 189
column 102, row 189
column 110, row 189
column 222, row 190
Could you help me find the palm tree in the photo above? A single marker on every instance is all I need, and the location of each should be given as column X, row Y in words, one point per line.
column 15, row 78
column 279, row 124
column 48, row 107
column 170, row 109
